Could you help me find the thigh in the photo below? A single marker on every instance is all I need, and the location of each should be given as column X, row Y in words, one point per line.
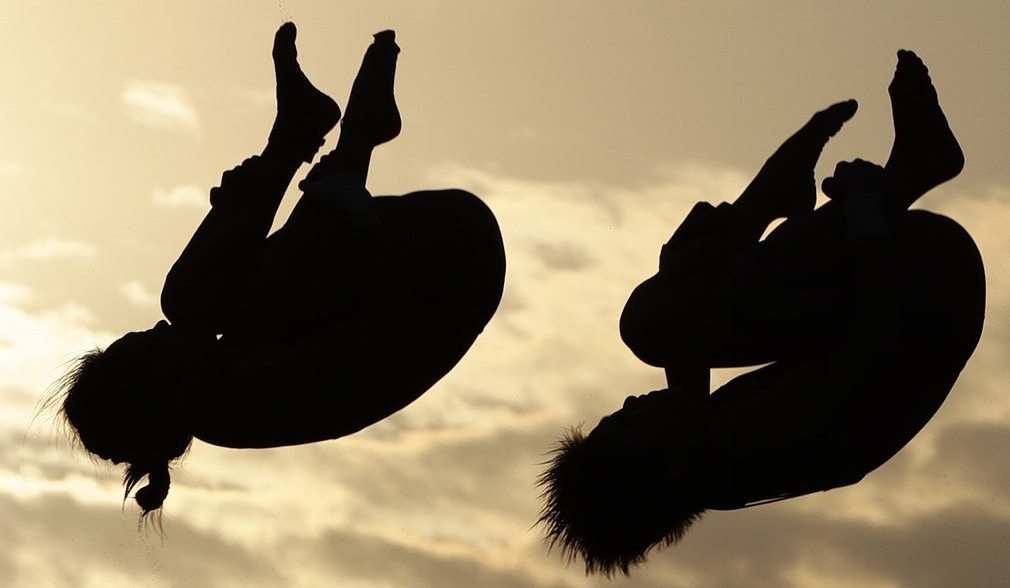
column 770, row 302
column 442, row 259
column 827, row 417
column 796, row 427
column 430, row 262
column 792, row 295
column 435, row 273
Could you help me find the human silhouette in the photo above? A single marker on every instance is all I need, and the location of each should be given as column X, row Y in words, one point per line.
column 346, row 314
column 864, row 311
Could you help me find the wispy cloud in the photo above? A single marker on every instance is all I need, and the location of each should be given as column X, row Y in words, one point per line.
column 73, row 112
column 443, row 491
column 10, row 169
column 187, row 196
column 35, row 344
column 46, row 249
column 137, row 293
column 160, row 105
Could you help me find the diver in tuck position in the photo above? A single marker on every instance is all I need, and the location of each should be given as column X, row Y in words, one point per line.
column 865, row 311
column 346, row 314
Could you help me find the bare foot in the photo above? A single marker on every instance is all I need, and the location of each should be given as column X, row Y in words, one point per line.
column 925, row 152
column 304, row 114
column 372, row 117
column 785, row 185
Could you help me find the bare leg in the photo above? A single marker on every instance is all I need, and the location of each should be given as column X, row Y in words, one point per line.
column 432, row 277
column 925, row 152
column 826, row 412
column 372, row 116
column 668, row 314
column 314, row 267
column 865, row 380
column 207, row 284
column 664, row 313
column 785, row 187
column 822, row 417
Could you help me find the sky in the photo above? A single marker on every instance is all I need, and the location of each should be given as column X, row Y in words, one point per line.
column 590, row 128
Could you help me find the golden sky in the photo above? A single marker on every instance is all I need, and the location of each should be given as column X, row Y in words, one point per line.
column 590, row 128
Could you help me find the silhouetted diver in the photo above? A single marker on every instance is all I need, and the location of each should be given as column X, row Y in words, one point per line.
column 346, row 314
column 867, row 311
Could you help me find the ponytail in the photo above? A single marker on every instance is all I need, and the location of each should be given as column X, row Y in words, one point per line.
column 153, row 494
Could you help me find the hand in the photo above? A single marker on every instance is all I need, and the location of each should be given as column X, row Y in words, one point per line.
column 854, row 177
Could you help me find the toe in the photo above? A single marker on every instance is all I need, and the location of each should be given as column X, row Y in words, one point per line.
column 841, row 112
column 829, row 121
column 284, row 40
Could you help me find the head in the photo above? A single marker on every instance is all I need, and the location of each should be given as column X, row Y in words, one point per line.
column 120, row 405
column 627, row 487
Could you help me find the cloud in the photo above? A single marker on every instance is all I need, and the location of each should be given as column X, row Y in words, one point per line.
column 393, row 563
column 256, row 98
column 442, row 492
column 11, row 168
column 137, row 293
column 984, row 218
column 564, row 256
column 970, row 453
column 52, row 540
column 73, row 112
column 159, row 105
column 47, row 249
column 34, row 348
column 182, row 196
column 788, row 548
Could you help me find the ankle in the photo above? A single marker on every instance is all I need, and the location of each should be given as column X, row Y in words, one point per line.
column 751, row 217
column 372, row 116
column 288, row 142
column 282, row 153
column 349, row 161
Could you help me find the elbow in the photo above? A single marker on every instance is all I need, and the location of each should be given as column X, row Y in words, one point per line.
column 642, row 329
column 173, row 300
column 170, row 307
column 178, row 305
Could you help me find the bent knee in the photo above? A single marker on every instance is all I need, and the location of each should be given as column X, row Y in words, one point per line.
column 467, row 213
column 941, row 274
column 457, row 253
column 646, row 325
column 475, row 235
